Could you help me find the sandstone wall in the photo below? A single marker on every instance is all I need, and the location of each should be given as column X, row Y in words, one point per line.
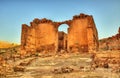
column 42, row 34
column 82, row 34
column 24, row 36
column 45, row 36
column 92, row 35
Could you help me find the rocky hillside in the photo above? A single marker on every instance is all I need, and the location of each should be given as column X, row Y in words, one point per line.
column 110, row 43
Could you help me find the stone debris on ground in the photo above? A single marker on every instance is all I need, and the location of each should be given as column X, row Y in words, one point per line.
column 59, row 66
column 19, row 68
column 63, row 70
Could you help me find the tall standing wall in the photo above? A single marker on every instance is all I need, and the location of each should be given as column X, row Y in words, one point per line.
column 82, row 34
column 42, row 34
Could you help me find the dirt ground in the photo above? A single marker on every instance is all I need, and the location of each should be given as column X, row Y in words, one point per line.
column 73, row 65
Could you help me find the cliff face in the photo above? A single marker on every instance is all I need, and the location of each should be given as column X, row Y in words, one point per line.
column 42, row 34
column 110, row 43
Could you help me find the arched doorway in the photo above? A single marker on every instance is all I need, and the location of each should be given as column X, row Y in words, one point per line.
column 64, row 28
column 62, row 37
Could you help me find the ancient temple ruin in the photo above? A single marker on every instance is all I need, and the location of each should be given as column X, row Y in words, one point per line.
column 43, row 35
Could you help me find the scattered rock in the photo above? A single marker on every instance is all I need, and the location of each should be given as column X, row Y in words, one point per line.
column 63, row 70
column 19, row 69
column 66, row 69
column 57, row 71
column 24, row 63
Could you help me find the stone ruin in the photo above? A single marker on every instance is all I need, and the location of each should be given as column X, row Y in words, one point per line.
column 107, row 59
column 43, row 35
column 110, row 43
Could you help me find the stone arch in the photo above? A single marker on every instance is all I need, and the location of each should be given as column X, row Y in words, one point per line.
column 63, row 42
column 43, row 34
column 64, row 28
column 62, row 37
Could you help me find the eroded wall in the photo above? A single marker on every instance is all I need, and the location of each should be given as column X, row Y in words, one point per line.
column 45, row 37
column 42, row 34
column 39, row 36
column 77, row 34
column 82, row 34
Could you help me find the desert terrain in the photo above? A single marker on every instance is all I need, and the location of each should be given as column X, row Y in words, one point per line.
column 44, row 55
column 104, row 63
column 59, row 39
column 60, row 65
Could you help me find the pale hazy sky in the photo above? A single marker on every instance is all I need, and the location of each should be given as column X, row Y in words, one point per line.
column 13, row 13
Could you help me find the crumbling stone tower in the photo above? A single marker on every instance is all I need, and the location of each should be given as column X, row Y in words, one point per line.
column 42, row 34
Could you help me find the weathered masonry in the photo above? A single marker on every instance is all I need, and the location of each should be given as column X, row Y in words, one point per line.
column 43, row 35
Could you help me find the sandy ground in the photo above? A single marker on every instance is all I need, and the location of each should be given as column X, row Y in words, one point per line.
column 51, row 67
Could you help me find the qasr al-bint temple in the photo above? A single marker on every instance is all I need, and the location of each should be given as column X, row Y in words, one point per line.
column 43, row 35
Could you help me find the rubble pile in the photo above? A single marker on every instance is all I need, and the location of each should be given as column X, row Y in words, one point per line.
column 5, row 68
column 107, row 60
column 63, row 70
